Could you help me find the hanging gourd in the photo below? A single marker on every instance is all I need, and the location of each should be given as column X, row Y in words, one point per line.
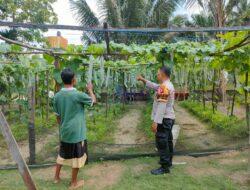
column 102, row 71
column 90, row 69
column 107, row 78
column 133, row 78
column 125, row 80
column 95, row 78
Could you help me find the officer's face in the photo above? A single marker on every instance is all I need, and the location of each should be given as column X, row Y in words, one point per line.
column 159, row 75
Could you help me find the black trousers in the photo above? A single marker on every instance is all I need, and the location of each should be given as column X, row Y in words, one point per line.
column 164, row 142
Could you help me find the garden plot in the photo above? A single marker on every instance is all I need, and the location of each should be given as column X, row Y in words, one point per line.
column 6, row 159
column 227, row 170
column 197, row 136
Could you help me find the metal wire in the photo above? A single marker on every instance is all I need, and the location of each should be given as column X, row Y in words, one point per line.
column 123, row 30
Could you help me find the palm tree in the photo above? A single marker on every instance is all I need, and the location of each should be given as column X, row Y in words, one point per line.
column 202, row 20
column 241, row 13
column 124, row 13
column 230, row 12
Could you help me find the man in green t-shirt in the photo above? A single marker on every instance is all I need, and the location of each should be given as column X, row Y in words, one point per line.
column 69, row 106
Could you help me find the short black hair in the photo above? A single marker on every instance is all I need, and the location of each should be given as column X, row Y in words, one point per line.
column 67, row 76
column 166, row 70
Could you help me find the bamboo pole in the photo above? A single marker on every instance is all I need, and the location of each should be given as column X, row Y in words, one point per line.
column 15, row 153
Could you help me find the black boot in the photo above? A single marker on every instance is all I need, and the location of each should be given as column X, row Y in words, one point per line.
column 160, row 171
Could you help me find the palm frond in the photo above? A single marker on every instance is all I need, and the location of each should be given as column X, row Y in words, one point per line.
column 86, row 17
column 161, row 10
column 230, row 6
column 178, row 21
column 202, row 20
column 110, row 12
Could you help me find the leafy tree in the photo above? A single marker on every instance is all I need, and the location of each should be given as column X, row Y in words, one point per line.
column 34, row 11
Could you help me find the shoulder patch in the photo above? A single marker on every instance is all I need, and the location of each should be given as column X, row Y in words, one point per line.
column 162, row 93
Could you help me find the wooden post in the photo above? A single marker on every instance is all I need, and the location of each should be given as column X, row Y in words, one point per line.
column 15, row 153
column 203, row 90
column 124, row 91
column 247, row 103
column 234, row 94
column 213, row 91
column 105, row 26
column 31, row 125
column 47, row 98
column 57, row 66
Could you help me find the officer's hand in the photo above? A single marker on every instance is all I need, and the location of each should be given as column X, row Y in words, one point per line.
column 140, row 78
column 154, row 127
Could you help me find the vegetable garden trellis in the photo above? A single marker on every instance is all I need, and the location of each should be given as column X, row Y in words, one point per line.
column 195, row 54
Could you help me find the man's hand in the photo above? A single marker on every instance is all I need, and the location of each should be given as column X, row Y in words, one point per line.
column 89, row 87
column 140, row 78
column 154, row 127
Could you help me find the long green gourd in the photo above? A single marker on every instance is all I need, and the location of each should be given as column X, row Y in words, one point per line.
column 90, row 69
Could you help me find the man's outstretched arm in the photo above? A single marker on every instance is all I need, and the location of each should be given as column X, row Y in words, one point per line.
column 148, row 83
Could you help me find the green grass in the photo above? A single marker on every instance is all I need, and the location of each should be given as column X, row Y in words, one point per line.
column 99, row 129
column 135, row 175
column 179, row 179
column 146, row 121
column 99, row 126
column 228, row 125
column 19, row 126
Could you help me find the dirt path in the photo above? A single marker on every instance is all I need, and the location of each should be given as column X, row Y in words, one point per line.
column 127, row 132
column 5, row 157
column 196, row 135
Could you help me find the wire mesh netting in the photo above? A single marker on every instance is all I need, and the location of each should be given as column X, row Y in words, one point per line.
column 119, row 126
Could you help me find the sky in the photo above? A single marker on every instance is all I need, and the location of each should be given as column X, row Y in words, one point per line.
column 65, row 17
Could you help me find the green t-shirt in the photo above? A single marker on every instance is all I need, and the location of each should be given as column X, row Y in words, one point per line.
column 69, row 105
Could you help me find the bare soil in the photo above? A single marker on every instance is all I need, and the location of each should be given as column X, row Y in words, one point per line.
column 126, row 131
column 6, row 159
column 196, row 135
column 106, row 174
